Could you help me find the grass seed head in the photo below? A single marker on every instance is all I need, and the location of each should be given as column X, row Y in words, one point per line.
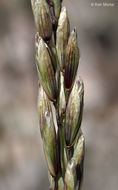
column 57, row 59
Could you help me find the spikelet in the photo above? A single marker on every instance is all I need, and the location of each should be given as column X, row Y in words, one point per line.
column 72, row 60
column 47, row 131
column 63, row 31
column 45, row 69
column 74, row 113
column 42, row 18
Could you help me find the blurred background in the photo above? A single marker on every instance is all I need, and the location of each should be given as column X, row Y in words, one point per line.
column 22, row 163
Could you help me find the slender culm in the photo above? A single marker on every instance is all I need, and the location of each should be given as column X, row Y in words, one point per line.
column 61, row 95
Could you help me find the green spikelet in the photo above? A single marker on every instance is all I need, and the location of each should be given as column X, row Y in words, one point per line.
column 63, row 31
column 42, row 18
column 72, row 60
column 45, row 69
column 74, row 113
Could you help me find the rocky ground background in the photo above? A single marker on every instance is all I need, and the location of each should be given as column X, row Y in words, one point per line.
column 22, row 164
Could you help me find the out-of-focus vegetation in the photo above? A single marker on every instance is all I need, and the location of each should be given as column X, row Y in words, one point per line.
column 22, row 164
